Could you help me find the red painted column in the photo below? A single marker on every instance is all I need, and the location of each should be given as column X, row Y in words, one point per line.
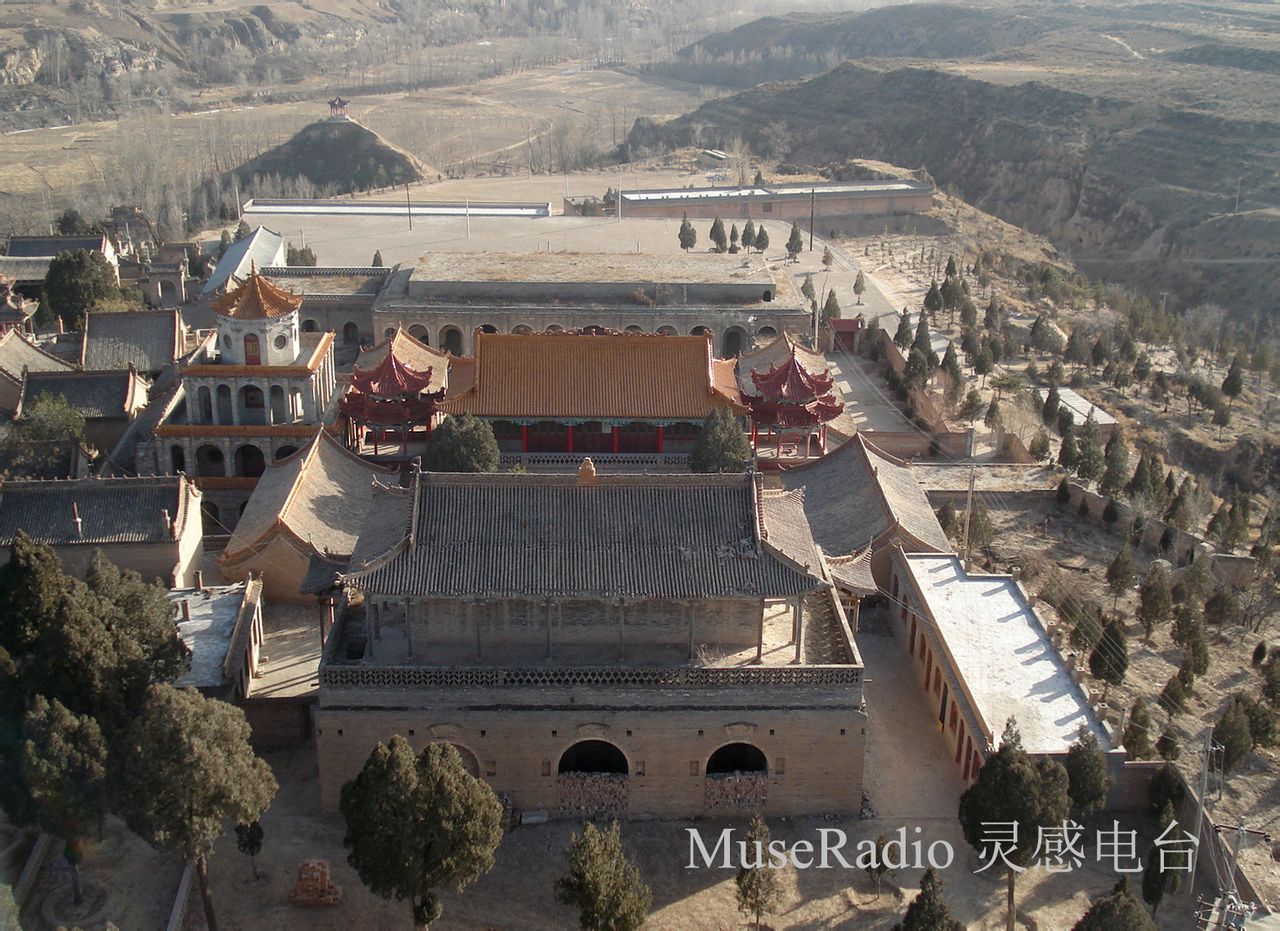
column 568, row 437
column 755, row 435
column 615, row 439
column 660, row 439
column 524, row 439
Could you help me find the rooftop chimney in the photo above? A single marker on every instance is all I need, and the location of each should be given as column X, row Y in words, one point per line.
column 75, row 516
column 587, row 472
column 186, row 610
column 166, row 525
column 200, row 579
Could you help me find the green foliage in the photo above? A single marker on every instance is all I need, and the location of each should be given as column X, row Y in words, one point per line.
column 1271, row 682
column 929, row 911
column 721, row 446
column 377, row 259
column 418, row 825
column 32, row 588
column 1233, row 384
column 807, row 288
column 1063, row 495
column 1222, row 608
column 916, row 373
column 1137, row 732
column 1155, row 599
column 1052, row 404
column 1117, row 910
column 76, row 283
column 1157, row 882
column 1087, row 778
column 1261, row 719
column 1259, row 653
column 249, row 842
column 762, row 239
column 1040, row 447
column 301, row 257
column 71, row 223
column 1109, row 660
column 1166, row 788
column 688, row 235
column 1091, row 461
column 718, row 237
column 1115, row 466
column 973, row 405
column 64, row 761
column 904, row 335
column 859, row 284
column 1013, row 787
column 948, row 520
column 1167, row 745
column 795, row 242
column 242, row 230
column 831, row 307
column 829, row 259
column 749, row 235
column 1234, row 735
column 1122, row 571
column 1069, row 451
column 603, row 884
column 759, row 890
column 462, row 443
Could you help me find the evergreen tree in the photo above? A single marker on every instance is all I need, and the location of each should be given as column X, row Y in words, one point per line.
column 1068, row 452
column 972, row 406
column 242, row 230
column 1155, row 599
column 968, row 314
column 949, row 521
column 1115, row 465
column 951, row 364
column 1259, row 653
column 224, row 243
column 1088, row 781
column 807, row 288
column 951, row 266
column 462, row 443
column 1270, row 671
column 1013, row 787
column 904, row 335
column 721, row 446
column 249, row 842
column 718, row 237
column 993, row 316
column 929, row 911
column 733, row 238
column 1222, row 608
column 78, row 282
column 924, row 344
column 1233, row 384
column 1156, row 881
column 603, row 884
column 377, row 259
column 762, row 239
column 983, row 362
column 748, row 235
column 1167, row 745
column 933, row 300
column 1063, row 495
column 1077, row 346
column 1121, row 573
column 1232, row 733
column 829, row 259
column 795, row 242
column 64, row 760
column 759, row 891
column 1109, row 660
column 1115, row 911
column 759, row 179
column 1091, row 456
column 916, row 373
column 688, row 236
column 1040, row 446
column 1137, row 732
column 859, row 286
column 831, row 309
column 417, row 825
column 1052, row 404
column 188, row 770
column 993, row 419
column 1173, row 697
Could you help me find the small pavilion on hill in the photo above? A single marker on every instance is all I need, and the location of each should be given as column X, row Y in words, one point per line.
column 789, row 391
column 394, row 391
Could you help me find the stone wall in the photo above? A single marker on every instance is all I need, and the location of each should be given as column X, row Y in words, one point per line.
column 945, row 445
column 736, row 792
column 667, row 747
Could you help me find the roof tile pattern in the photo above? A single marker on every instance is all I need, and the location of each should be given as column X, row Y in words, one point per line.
column 111, row 510
column 412, row 353
column 146, row 339
column 857, row 494
column 319, row 495
column 256, row 298
column 624, row 536
column 615, row 376
column 96, row 395
column 17, row 353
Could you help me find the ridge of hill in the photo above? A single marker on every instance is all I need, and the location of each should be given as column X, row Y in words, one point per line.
column 337, row 157
column 1131, row 191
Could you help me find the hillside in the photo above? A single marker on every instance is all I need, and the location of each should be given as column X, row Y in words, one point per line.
column 335, row 156
column 1129, row 190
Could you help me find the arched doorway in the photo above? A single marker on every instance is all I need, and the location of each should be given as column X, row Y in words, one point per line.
column 594, row 756
column 224, row 404
column 451, row 340
column 210, row 462
column 469, row 761
column 737, row 758
column 521, row 329
column 488, row 328
column 634, row 329
column 204, row 405
column 279, row 405
column 700, row 331
column 350, row 334
column 766, row 333
column 389, row 332
column 419, row 332
column 668, row 331
column 212, row 517
column 553, row 328
column 250, row 463
column 177, row 459
column 732, row 343
column 284, row 451
column 253, row 409
column 310, row 326
column 168, row 291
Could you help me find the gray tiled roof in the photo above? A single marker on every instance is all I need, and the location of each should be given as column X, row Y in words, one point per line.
column 621, row 536
column 147, row 339
column 262, row 247
column 112, row 510
column 855, row 494
column 21, row 269
column 93, row 394
column 49, row 246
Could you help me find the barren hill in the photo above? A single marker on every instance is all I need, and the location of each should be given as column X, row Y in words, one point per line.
column 336, row 156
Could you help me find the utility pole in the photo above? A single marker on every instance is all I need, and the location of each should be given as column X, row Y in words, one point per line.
column 968, row 511
column 813, row 196
column 408, row 206
column 1204, row 787
column 467, row 209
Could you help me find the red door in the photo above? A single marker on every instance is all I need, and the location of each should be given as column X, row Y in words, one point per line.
column 252, row 355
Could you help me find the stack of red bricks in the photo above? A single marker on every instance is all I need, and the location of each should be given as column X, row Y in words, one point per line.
column 314, row 886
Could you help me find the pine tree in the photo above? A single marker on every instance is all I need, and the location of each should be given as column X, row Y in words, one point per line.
column 688, row 236
column 759, row 891
column 951, row 364
column 1173, row 698
column 904, row 335
column 951, row 266
column 1222, row 608
column 994, row 420
column 462, row 443
column 1088, row 781
column 721, row 446
column 1115, row 465
column 1271, row 681
column 1121, row 573
column 733, row 238
column 1063, row 495
column 1233, row 735
column 829, row 259
column 1155, row 599
column 1013, row 787
column 795, row 242
column 831, row 309
column 859, row 286
column 602, row 883
column 717, row 236
column 1233, row 384
column 1091, row 455
column 417, row 824
column 1052, row 404
column 762, row 239
column 1167, row 745
column 929, row 911
column 377, row 259
column 1068, row 452
column 1137, row 732
column 1115, row 911
column 933, row 300
column 1040, row 446
column 748, row 235
column 1109, row 660
column 983, row 362
column 249, row 842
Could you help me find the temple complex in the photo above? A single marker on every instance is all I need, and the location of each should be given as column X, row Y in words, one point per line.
column 254, row 395
column 789, row 390
column 617, row 645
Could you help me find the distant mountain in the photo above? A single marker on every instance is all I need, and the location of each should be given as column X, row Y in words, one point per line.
column 337, row 157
